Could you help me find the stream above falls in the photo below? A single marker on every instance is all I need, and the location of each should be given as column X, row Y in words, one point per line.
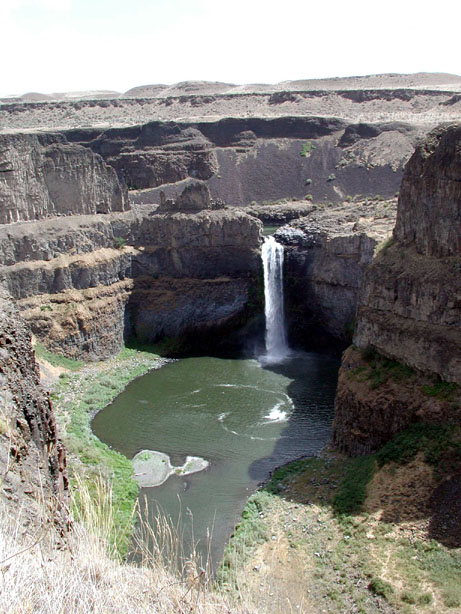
column 243, row 418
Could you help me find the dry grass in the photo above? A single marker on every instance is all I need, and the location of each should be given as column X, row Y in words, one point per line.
column 43, row 572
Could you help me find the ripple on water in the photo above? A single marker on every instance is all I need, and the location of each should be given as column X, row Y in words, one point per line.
column 243, row 419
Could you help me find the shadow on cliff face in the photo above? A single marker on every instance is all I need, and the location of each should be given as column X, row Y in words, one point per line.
column 445, row 522
column 415, row 489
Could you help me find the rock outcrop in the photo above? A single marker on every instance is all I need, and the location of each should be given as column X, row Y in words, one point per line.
column 42, row 175
column 409, row 307
column 85, row 283
column 330, row 138
column 326, row 254
column 195, row 197
column 255, row 159
column 31, row 455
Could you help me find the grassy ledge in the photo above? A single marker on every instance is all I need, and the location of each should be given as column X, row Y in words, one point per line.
column 336, row 534
column 79, row 393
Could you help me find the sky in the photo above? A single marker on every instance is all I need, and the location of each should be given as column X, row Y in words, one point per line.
column 77, row 45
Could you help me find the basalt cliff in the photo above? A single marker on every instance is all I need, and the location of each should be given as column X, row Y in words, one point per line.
column 87, row 282
column 34, row 484
column 406, row 363
column 328, row 138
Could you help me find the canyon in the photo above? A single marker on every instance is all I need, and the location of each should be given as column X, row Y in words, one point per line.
column 139, row 218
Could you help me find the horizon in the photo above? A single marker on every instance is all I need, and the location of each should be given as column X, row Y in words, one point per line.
column 59, row 46
column 211, row 82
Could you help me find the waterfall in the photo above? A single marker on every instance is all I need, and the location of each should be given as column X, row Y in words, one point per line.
column 276, row 342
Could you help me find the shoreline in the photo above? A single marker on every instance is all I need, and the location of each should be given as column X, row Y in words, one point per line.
column 78, row 393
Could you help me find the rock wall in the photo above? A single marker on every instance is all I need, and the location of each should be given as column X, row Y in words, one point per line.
column 326, row 254
column 32, row 458
column 256, row 159
column 84, row 283
column 368, row 414
column 43, row 175
column 409, row 307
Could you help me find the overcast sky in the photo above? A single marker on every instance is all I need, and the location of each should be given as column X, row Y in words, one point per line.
column 72, row 45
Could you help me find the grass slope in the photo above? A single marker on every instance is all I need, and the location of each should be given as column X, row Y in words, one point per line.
column 77, row 396
column 355, row 534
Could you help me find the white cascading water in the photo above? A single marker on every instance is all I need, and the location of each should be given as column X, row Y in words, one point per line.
column 276, row 340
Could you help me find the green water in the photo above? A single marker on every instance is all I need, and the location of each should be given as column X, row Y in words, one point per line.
column 242, row 418
column 269, row 230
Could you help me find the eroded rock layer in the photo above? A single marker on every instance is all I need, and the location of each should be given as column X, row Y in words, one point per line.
column 256, row 159
column 85, row 283
column 327, row 252
column 42, row 175
column 410, row 303
column 32, row 458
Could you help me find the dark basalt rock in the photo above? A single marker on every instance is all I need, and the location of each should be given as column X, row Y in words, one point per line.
column 195, row 197
column 30, row 449
column 409, row 308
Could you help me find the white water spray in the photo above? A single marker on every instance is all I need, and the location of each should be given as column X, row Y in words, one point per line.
column 276, row 341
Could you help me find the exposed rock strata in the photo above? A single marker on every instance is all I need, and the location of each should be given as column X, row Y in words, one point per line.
column 326, row 253
column 255, row 159
column 44, row 175
column 277, row 214
column 32, row 458
column 170, row 274
column 409, row 306
column 367, row 416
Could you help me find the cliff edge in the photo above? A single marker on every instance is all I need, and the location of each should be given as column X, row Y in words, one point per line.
column 409, row 310
column 32, row 457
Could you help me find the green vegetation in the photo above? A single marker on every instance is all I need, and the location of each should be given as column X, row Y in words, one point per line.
column 331, row 177
column 250, row 532
column 346, row 558
column 286, row 471
column 432, row 440
column 119, row 242
column 352, row 490
column 145, row 456
column 381, row 587
column 308, row 197
column 384, row 245
column 308, row 181
column 380, row 369
column 307, row 148
column 76, row 399
column 447, row 391
column 57, row 360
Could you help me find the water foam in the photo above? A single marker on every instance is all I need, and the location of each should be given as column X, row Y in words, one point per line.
column 277, row 349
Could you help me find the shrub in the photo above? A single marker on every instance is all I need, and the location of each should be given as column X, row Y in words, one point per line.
column 308, row 197
column 352, row 491
column 307, row 149
column 441, row 390
column 380, row 587
column 119, row 242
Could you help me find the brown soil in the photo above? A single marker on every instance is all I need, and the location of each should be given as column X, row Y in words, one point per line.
column 303, row 567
